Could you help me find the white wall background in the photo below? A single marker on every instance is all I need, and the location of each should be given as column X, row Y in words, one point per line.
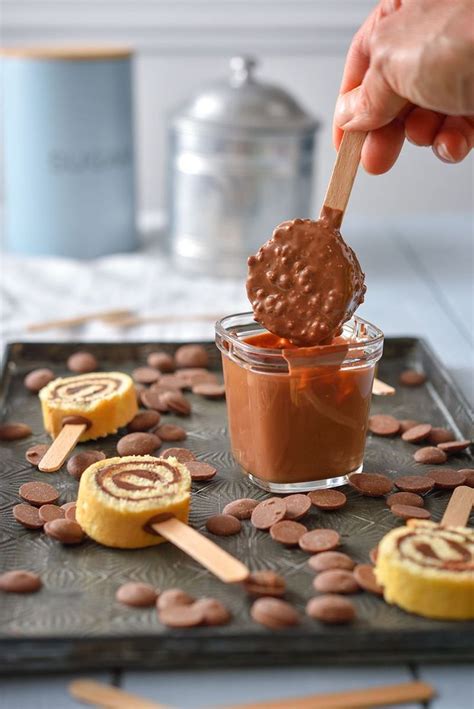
column 182, row 44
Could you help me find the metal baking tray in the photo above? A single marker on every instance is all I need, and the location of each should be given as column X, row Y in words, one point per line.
column 74, row 622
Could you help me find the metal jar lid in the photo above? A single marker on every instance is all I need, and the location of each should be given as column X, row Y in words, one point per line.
column 241, row 105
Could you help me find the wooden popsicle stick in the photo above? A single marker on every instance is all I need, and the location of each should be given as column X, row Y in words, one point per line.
column 459, row 507
column 385, row 695
column 219, row 562
column 343, row 176
column 60, row 448
column 79, row 320
column 380, row 388
column 103, row 695
column 164, row 319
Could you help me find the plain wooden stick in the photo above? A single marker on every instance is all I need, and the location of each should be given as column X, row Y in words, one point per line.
column 459, row 507
column 343, row 175
column 103, row 695
column 385, row 695
column 165, row 319
column 380, row 388
column 219, row 562
column 79, row 320
column 60, row 448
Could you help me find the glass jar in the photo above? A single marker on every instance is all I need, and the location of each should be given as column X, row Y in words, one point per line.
column 298, row 416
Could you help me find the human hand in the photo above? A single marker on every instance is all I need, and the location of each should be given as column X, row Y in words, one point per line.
column 410, row 73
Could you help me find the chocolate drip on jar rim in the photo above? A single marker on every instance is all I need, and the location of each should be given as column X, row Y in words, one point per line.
column 87, row 389
column 147, row 478
column 437, row 548
column 305, row 282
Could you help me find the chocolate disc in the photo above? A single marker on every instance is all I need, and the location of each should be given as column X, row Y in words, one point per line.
column 136, row 594
column 327, row 499
column 430, row 456
column 268, row 513
column 319, row 540
column 274, row 613
column 409, row 512
column 287, row 532
column 412, row 378
column 405, row 498
column 331, row 560
column 223, row 525
column 371, row 484
column 446, row 478
column 414, row 483
column 265, row 583
column 242, row 509
column 297, row 506
column 365, row 577
column 453, row 447
column 331, row 609
column 417, row 433
column 305, row 282
column 384, row 425
column 336, row 581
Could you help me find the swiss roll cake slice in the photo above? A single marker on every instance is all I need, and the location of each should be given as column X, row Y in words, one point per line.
column 428, row 569
column 120, row 497
column 107, row 399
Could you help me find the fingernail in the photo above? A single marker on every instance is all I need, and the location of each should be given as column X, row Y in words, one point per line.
column 344, row 112
column 443, row 153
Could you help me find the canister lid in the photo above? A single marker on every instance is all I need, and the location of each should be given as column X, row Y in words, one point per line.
column 241, row 103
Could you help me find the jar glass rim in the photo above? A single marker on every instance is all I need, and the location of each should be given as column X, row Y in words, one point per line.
column 375, row 337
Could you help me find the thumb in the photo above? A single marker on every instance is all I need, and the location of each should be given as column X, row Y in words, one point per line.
column 371, row 105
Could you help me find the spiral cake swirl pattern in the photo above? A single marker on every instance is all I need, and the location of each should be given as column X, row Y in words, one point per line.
column 107, row 399
column 437, row 548
column 119, row 497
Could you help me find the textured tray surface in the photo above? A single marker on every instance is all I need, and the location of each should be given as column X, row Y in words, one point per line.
column 74, row 622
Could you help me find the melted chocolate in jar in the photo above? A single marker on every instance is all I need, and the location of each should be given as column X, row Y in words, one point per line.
column 305, row 282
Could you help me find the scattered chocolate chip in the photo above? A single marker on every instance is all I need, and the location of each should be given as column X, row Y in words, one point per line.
column 168, row 382
column 406, row 424
column 173, row 597
column 274, row 613
column 70, row 512
column 318, row 540
column 215, row 612
column 79, row 462
column 446, row 478
column 143, row 421
column 65, row 531
column 171, row 432
column 49, row 512
column 297, row 506
column 405, row 498
column 265, row 583
column 414, row 483
column 336, row 581
column 209, row 390
column 409, row 512
column 469, row 473
column 331, row 609
column 453, row 447
column 82, row 363
column 181, row 616
column 331, row 560
column 137, row 594
column 19, row 581
column 176, row 402
column 223, row 525
column 365, row 577
column 182, row 455
column 162, row 361
column 76, row 420
column 440, row 435
column 35, row 453
column 14, row 431
column 151, row 399
column 327, row 499
column 138, row 444
column 38, row 494
column 145, row 375
column 430, row 456
column 191, row 376
column 417, row 433
column 38, row 378
column 28, row 516
column 373, row 554
column 412, row 378
column 242, row 509
column 371, row 484
column 287, row 532
column 384, row 425
column 200, row 471
column 191, row 356
column 268, row 513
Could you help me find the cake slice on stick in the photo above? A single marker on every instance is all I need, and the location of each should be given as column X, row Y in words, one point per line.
column 140, row 501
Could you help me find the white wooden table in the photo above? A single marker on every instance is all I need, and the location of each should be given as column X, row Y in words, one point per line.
column 420, row 282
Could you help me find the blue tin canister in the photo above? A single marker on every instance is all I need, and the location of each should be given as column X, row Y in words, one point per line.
column 69, row 157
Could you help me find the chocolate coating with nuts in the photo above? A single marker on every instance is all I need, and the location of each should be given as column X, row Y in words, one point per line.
column 305, row 282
